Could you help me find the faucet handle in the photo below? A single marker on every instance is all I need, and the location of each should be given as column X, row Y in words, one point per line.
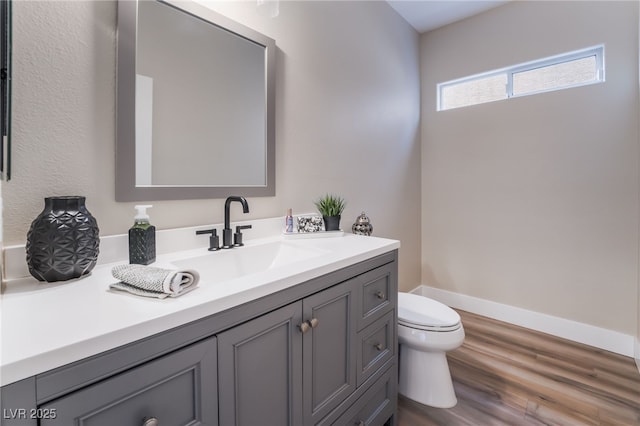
column 237, row 237
column 214, row 240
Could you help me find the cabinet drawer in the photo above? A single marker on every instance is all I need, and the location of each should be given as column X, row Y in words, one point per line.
column 377, row 294
column 376, row 345
column 177, row 389
column 377, row 404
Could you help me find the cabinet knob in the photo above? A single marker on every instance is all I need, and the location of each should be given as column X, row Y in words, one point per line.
column 378, row 346
column 304, row 327
column 313, row 322
column 380, row 295
column 150, row 421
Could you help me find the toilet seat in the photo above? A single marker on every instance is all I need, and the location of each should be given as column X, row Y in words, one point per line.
column 422, row 313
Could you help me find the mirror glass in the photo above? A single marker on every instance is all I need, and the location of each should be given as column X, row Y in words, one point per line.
column 5, row 89
column 195, row 104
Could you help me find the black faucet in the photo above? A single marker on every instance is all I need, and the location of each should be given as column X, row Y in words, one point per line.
column 227, row 233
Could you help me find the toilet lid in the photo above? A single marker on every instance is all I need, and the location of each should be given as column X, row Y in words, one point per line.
column 422, row 312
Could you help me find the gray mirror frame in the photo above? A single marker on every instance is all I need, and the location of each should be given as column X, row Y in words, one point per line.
column 5, row 89
column 125, row 187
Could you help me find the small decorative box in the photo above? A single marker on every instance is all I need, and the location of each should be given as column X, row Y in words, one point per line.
column 310, row 223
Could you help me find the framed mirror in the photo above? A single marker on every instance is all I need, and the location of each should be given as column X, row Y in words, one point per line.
column 195, row 104
column 5, row 89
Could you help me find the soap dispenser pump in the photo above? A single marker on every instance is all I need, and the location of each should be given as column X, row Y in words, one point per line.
column 142, row 238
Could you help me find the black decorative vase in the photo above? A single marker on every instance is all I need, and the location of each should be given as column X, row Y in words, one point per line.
column 331, row 223
column 63, row 240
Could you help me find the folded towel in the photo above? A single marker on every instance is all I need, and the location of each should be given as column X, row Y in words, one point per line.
column 151, row 281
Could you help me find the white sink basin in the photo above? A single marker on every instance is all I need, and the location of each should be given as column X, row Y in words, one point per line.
column 233, row 263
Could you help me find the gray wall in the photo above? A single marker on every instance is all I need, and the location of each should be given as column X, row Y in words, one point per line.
column 347, row 117
column 533, row 202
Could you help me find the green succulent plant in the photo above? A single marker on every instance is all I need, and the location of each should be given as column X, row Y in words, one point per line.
column 330, row 205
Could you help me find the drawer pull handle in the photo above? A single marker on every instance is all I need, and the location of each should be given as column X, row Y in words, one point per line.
column 150, row 421
column 378, row 346
column 313, row 322
column 304, row 327
column 380, row 295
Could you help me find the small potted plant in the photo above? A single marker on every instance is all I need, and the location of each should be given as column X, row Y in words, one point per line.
column 331, row 208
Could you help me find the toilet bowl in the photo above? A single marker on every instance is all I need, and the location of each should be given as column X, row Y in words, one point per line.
column 427, row 329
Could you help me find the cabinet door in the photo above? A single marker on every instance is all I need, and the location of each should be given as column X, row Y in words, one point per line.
column 329, row 350
column 260, row 370
column 178, row 389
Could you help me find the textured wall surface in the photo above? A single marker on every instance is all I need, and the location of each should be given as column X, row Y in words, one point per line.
column 637, row 346
column 533, row 201
column 348, row 103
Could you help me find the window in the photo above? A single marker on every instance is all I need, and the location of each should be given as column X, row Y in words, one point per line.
column 572, row 69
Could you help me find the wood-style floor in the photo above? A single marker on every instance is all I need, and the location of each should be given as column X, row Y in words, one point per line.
column 509, row 375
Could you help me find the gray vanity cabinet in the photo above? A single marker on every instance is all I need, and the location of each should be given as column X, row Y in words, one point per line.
column 320, row 353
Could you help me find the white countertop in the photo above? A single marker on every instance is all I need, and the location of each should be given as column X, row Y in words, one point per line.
column 45, row 326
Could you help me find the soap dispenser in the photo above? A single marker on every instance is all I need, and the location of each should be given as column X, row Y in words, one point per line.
column 288, row 222
column 142, row 238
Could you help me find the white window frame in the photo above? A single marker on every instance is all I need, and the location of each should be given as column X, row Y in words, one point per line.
column 597, row 51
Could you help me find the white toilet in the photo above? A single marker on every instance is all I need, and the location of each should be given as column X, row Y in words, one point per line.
column 427, row 329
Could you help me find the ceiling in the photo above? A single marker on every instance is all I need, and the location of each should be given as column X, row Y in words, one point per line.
column 426, row 15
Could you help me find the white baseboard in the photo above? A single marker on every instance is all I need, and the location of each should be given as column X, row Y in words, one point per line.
column 598, row 337
column 637, row 352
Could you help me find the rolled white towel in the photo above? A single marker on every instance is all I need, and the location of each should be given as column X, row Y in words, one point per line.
column 151, row 281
